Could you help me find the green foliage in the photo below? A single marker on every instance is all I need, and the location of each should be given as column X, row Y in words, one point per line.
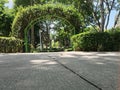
column 63, row 37
column 2, row 2
column 55, row 44
column 5, row 22
column 91, row 29
column 68, row 49
column 32, row 14
column 117, row 29
column 27, row 3
column 98, row 41
column 10, row 45
column 81, row 6
column 102, row 10
column 6, row 18
column 115, row 35
column 113, row 30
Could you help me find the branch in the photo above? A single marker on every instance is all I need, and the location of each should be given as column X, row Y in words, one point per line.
column 95, row 18
column 94, row 13
column 116, row 20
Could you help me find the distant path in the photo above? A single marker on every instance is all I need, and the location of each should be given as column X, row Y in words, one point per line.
column 60, row 71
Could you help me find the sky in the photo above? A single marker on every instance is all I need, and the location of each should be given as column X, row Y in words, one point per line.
column 10, row 4
column 112, row 17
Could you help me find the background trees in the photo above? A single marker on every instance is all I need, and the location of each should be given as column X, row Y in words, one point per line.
column 18, row 3
column 6, row 18
column 102, row 10
column 95, row 12
column 90, row 9
column 95, row 17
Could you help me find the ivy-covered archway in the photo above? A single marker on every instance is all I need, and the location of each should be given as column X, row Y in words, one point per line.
column 26, row 17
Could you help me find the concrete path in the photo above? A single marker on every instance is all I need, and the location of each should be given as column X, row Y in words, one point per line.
column 60, row 71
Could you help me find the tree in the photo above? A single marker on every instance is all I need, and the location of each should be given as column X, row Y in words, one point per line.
column 101, row 12
column 26, row 3
column 63, row 32
column 83, row 6
column 2, row 2
column 117, row 19
column 118, row 14
column 6, row 18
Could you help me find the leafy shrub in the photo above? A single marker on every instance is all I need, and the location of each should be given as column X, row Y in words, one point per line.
column 91, row 29
column 97, row 41
column 115, row 40
column 10, row 45
column 69, row 49
column 114, row 30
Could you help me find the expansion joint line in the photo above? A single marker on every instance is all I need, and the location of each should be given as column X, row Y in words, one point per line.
column 78, row 75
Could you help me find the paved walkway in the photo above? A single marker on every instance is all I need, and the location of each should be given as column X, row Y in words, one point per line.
column 60, row 71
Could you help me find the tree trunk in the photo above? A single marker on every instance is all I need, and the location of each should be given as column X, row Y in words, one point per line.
column 32, row 36
column 116, row 20
column 102, row 15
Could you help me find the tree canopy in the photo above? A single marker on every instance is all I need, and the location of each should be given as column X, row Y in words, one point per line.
column 102, row 10
column 80, row 5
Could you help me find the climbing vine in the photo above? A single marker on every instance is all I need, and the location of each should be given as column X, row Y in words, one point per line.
column 27, row 15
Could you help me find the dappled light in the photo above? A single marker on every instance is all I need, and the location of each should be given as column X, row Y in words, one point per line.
column 107, row 53
column 91, row 57
column 36, row 62
column 67, row 55
column 99, row 63
column 100, row 68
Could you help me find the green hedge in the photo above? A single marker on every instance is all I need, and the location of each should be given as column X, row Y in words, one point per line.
column 115, row 40
column 10, row 45
column 98, row 41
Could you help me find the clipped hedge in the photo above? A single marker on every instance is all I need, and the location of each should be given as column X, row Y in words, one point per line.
column 97, row 41
column 10, row 45
column 115, row 40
